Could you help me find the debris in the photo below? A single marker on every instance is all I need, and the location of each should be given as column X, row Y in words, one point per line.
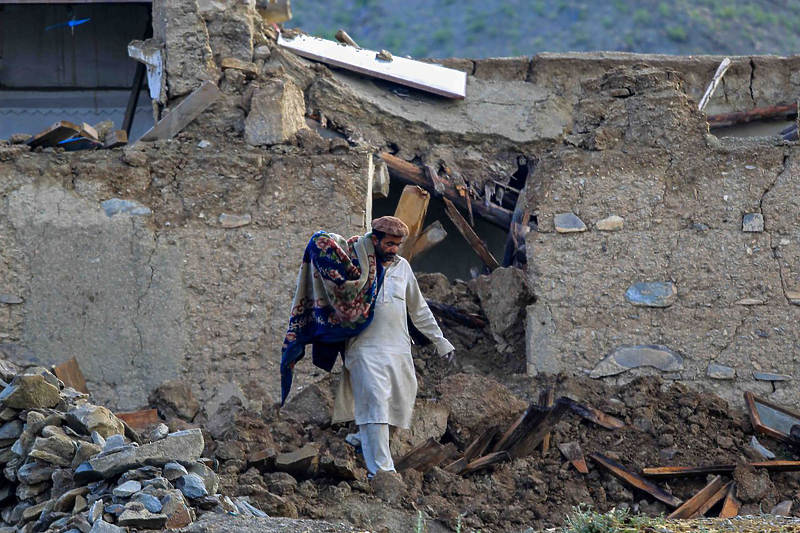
column 635, row 481
column 486, row 461
column 546, row 398
column 277, row 113
column 87, row 418
column 425, row 456
column 689, row 471
column 568, row 223
column 116, row 206
column 174, row 399
column 274, row 11
column 411, row 209
column 29, row 392
column 611, row 223
column 469, row 234
column 652, row 294
column 782, row 509
column 771, row 419
column 139, row 420
column 713, row 500
column 424, row 76
column 456, row 315
column 184, row 113
column 229, row 221
column 593, row 415
column 692, row 505
column 624, row 358
column 343, row 38
column 721, row 70
column 52, row 136
column 247, row 67
column 430, row 237
column 300, row 463
column 758, row 113
column 384, row 55
column 753, row 223
column 481, row 443
column 572, row 451
column 70, row 373
column 115, row 139
column 757, row 446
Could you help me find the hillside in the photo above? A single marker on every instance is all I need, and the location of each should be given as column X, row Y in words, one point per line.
column 472, row 28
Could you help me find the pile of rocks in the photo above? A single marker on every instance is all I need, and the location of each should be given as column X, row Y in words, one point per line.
column 73, row 466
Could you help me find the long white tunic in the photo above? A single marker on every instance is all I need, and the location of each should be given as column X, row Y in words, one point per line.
column 378, row 384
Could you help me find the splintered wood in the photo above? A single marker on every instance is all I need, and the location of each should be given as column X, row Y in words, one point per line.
column 690, row 471
column 426, row 456
column 469, row 234
column 635, row 481
column 572, row 451
column 693, row 505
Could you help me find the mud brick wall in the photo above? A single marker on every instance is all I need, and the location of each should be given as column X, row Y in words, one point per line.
column 122, row 259
column 718, row 304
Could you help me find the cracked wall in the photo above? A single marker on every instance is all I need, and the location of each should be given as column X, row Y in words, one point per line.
column 640, row 150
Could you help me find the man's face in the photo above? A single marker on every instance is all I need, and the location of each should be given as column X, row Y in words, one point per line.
column 387, row 248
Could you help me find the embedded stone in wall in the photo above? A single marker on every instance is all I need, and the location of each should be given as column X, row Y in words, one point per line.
column 277, row 111
column 753, row 223
column 612, row 223
column 720, row 372
column 234, row 221
column 117, row 206
column 652, row 294
column 625, row 358
column 568, row 223
column 10, row 299
column 793, row 297
column 769, row 376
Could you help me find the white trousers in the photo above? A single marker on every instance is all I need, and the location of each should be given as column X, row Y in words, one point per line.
column 375, row 446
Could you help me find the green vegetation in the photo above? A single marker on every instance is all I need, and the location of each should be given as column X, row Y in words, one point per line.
column 584, row 520
column 677, row 33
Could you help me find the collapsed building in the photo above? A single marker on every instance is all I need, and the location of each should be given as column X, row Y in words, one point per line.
column 650, row 245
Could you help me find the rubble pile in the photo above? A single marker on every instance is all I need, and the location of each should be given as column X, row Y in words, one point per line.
column 74, row 466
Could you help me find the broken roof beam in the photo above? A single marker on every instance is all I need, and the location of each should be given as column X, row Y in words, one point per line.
column 635, row 481
column 184, row 113
column 759, row 113
column 424, row 76
column 696, row 502
column 413, row 175
column 690, row 471
column 471, row 237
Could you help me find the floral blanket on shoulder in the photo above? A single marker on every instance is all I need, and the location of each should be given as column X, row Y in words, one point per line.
column 337, row 287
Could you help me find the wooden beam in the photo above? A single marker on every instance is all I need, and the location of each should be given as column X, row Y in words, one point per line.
column 457, row 466
column 411, row 209
column 666, row 472
column 529, row 441
column 456, row 315
column 721, row 70
column 594, row 415
column 693, row 504
column 433, row 235
column 413, row 175
column 546, row 398
column 424, row 76
column 485, row 461
column 184, row 113
column 528, row 420
column 635, row 481
column 139, row 420
column 70, row 373
column 60, row 131
column 759, row 113
column 731, row 505
column 115, row 139
column 481, row 443
column 572, row 451
column 469, row 234
column 713, row 500
column 425, row 456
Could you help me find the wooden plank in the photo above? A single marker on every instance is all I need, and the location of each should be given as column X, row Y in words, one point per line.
column 89, row 132
column 70, row 373
column 572, row 451
column 433, row 235
column 184, row 113
column 759, row 113
column 457, row 466
column 436, row 183
column 115, row 139
column 693, row 504
column 470, row 235
column 667, row 472
column 635, row 481
column 730, row 507
column 411, row 209
column 139, row 420
column 411, row 174
column 721, row 70
column 425, row 456
column 530, row 418
column 486, row 461
column 60, row 131
column 546, row 398
column 594, row 415
column 529, row 441
column 481, row 443
column 424, row 76
column 713, row 500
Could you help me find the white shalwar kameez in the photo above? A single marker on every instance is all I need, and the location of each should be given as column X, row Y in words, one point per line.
column 379, row 385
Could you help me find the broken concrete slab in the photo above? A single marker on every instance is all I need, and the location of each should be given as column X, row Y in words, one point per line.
column 277, row 112
column 568, row 223
column 626, row 358
column 652, row 294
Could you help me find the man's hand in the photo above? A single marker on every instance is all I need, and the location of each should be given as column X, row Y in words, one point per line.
column 450, row 357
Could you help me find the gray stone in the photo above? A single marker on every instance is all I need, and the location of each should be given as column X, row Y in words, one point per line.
column 192, row 486
column 113, row 442
column 769, row 376
column 174, row 470
column 753, row 223
column 174, row 506
column 261, row 53
column 757, row 446
column 56, row 449
column 96, row 511
column 157, row 483
column 35, row 472
column 652, row 294
column 10, row 431
column 158, row 432
column 117, row 206
column 185, row 446
column 234, row 221
column 312, row 405
column 98, row 439
column 388, row 486
column 210, row 479
column 66, row 502
column 10, row 299
column 150, row 502
column 504, row 294
column 277, row 112
column 127, row 489
column 29, row 491
column 87, row 418
column 715, row 371
column 612, row 223
column 141, row 518
column 29, row 392
column 568, row 223
column 19, row 138
column 101, row 526
column 224, row 392
column 626, row 358
column 299, row 462
column 782, row 509
column 7, row 414
column 86, row 450
column 174, row 399
column 140, row 474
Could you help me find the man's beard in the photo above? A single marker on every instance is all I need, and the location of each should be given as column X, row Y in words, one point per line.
column 385, row 257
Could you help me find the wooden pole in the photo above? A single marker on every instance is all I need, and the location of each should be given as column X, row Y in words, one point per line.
column 721, row 70
column 758, row 113
column 472, row 238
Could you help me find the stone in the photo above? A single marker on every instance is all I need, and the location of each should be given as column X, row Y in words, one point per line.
column 158, row 432
column 753, row 223
column 568, row 223
column 298, row 463
column 782, row 509
column 101, row 526
column 29, row 491
column 185, row 446
column 86, row 450
column 757, row 446
column 247, row 67
column 263, row 460
column 87, row 418
column 19, row 138
column 174, row 506
column 7, row 414
column 625, row 358
column 66, row 501
column 80, row 505
column 277, row 112
column 769, row 376
column 341, row 467
column 793, row 297
column 56, row 449
column 10, row 299
column 192, row 486
column 29, row 392
column 715, row 371
column 62, row 482
column 113, row 442
column 388, row 486
column 234, row 221
column 34, row 511
column 127, row 489
column 174, row 399
column 652, row 294
column 35, row 472
column 150, row 502
column 428, row 419
column 96, row 511
column 504, row 294
column 261, row 53
column 612, row 223
column 173, row 471
column 157, row 483
column 117, row 206
column 210, row 479
column 141, row 518
column 10, row 432
column 751, row 485
column 311, row 405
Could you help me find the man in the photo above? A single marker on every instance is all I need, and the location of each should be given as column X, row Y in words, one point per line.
column 379, row 385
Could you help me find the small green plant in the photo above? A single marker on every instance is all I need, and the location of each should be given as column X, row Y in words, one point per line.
column 677, row 34
column 664, row 9
column 584, row 520
column 641, row 17
column 419, row 527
